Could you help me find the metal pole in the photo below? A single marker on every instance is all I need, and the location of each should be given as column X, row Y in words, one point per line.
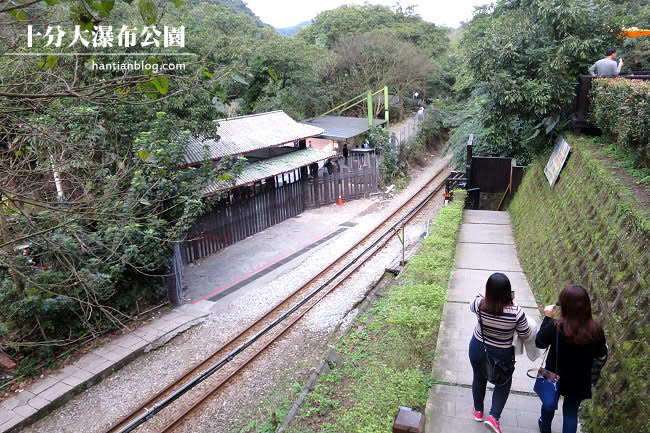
column 370, row 115
column 403, row 247
column 386, row 110
column 402, row 239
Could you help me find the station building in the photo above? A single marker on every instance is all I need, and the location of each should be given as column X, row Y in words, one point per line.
column 285, row 175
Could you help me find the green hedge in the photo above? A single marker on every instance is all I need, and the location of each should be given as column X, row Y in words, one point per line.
column 589, row 231
column 621, row 109
column 390, row 352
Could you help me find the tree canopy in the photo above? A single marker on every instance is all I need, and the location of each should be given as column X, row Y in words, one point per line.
column 519, row 66
column 92, row 190
column 399, row 22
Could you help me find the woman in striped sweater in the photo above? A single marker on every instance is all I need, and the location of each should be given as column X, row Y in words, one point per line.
column 501, row 318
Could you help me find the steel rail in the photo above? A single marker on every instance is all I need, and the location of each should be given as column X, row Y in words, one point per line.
column 377, row 245
column 182, row 385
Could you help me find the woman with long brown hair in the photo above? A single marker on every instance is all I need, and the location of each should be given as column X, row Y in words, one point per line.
column 580, row 350
column 498, row 319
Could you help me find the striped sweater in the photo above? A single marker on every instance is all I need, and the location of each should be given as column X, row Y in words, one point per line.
column 499, row 330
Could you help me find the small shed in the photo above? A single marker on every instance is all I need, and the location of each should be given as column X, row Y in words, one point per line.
column 273, row 186
column 339, row 131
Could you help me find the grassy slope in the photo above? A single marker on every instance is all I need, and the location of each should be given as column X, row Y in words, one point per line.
column 590, row 231
column 389, row 353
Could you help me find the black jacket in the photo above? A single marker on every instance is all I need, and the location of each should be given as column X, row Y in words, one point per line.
column 575, row 362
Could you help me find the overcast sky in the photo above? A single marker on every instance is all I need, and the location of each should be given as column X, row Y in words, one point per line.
column 287, row 13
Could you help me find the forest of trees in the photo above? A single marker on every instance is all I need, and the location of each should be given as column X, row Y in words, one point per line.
column 517, row 65
column 99, row 237
column 92, row 197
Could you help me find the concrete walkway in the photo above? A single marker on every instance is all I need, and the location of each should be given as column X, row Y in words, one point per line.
column 485, row 246
column 51, row 391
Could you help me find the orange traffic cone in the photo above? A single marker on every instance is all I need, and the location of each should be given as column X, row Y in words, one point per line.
column 339, row 202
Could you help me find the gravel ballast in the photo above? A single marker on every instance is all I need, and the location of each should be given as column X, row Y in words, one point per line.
column 254, row 393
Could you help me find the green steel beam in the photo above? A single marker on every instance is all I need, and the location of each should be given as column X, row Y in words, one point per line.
column 386, row 110
column 368, row 97
column 370, row 111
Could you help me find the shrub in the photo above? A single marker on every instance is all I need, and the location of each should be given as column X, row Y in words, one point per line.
column 389, row 352
column 390, row 166
column 621, row 108
column 588, row 230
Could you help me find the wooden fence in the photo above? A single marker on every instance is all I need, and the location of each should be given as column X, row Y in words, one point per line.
column 351, row 183
column 227, row 224
column 491, row 175
column 269, row 205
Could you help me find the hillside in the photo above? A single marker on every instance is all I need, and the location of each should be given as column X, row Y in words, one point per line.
column 290, row 31
column 236, row 6
column 591, row 230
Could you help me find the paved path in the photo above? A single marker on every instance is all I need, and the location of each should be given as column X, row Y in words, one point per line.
column 51, row 391
column 486, row 245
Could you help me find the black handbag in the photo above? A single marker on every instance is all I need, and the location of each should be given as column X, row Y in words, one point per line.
column 497, row 371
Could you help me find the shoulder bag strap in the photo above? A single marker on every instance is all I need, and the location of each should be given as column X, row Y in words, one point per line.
column 530, row 372
column 557, row 347
column 481, row 324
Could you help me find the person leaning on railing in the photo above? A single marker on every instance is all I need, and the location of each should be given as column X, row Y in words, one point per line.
column 607, row 66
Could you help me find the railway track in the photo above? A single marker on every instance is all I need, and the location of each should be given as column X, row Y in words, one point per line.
column 204, row 379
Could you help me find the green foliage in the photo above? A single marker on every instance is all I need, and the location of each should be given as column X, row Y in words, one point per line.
column 589, row 230
column 277, row 405
column 390, row 166
column 397, row 24
column 237, row 7
column 636, row 51
column 284, row 76
column 374, row 46
column 521, row 62
column 104, row 247
column 389, row 354
column 431, row 135
column 629, row 164
column 621, row 108
column 437, row 121
column 273, row 72
column 371, row 61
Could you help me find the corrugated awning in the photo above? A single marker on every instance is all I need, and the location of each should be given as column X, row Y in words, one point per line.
column 271, row 167
column 342, row 127
column 239, row 135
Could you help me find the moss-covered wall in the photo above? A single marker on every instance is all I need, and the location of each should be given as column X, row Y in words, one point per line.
column 588, row 231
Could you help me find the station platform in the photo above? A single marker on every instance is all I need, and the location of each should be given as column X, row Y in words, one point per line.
column 230, row 278
column 52, row 390
column 285, row 245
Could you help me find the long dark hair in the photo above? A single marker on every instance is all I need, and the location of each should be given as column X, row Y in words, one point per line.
column 576, row 322
column 498, row 294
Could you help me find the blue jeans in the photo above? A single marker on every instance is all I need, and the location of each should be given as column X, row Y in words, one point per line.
column 479, row 382
column 570, row 416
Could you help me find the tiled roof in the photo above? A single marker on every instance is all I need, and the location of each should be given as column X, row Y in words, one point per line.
column 342, row 127
column 271, row 167
column 239, row 135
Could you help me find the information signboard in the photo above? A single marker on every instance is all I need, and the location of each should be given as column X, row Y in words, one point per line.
column 557, row 160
